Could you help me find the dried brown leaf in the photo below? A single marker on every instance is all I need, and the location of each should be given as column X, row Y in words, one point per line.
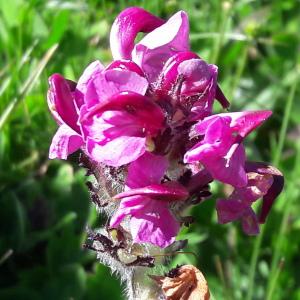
column 184, row 283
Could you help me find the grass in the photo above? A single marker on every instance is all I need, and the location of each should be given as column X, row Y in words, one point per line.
column 44, row 204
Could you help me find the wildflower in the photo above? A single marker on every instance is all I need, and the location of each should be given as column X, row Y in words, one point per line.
column 238, row 205
column 147, row 202
column 263, row 182
column 151, row 112
column 117, row 131
column 221, row 150
column 65, row 98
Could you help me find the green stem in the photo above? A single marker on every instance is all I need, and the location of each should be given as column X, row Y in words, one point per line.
column 275, row 277
column 286, row 117
column 253, row 263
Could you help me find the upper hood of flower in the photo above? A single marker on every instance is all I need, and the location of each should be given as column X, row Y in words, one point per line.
column 125, row 28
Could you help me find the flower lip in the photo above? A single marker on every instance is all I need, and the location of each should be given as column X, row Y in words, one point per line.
column 171, row 191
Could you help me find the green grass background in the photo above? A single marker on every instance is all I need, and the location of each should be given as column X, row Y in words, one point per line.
column 44, row 206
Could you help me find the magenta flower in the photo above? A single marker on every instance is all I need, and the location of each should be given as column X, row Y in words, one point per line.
column 64, row 100
column 118, row 121
column 190, row 83
column 263, row 182
column 147, row 202
column 147, row 120
column 220, row 150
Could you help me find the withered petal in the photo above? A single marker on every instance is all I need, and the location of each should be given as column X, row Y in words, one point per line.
column 187, row 284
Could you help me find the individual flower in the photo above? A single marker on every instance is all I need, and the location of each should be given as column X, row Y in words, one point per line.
column 190, row 83
column 146, row 200
column 65, row 98
column 120, row 128
column 220, row 148
column 263, row 182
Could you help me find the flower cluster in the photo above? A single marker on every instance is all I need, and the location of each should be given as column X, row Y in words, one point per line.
column 149, row 114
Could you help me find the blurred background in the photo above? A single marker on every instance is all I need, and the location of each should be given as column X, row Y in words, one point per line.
column 44, row 205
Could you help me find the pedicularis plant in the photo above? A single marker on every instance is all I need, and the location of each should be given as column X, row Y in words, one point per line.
column 146, row 131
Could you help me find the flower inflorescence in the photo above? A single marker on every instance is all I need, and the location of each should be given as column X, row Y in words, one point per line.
column 145, row 123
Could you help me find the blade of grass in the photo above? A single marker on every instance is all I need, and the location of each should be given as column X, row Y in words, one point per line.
column 275, row 278
column 26, row 88
column 220, row 271
column 226, row 9
column 285, row 121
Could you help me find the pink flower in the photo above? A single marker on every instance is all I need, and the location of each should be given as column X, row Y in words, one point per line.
column 190, row 83
column 263, row 182
column 117, row 120
column 220, row 150
column 147, row 201
column 64, row 100
column 153, row 105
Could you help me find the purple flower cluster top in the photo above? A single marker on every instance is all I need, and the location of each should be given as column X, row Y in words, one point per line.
column 150, row 113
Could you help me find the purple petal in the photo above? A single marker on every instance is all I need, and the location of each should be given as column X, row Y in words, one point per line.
column 273, row 191
column 146, row 170
column 257, row 186
column 148, row 115
column 61, row 101
column 117, row 152
column 128, row 206
column 245, row 122
column 126, row 65
column 198, row 76
column 230, row 210
column 89, row 73
column 250, row 222
column 111, row 82
column 160, row 44
column 125, row 28
column 242, row 123
column 170, row 191
column 219, row 153
column 154, row 224
column 170, row 72
column 65, row 142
